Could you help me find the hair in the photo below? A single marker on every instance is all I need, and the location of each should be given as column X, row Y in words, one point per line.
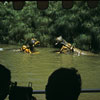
column 64, row 83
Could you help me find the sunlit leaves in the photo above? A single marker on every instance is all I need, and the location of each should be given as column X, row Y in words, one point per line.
column 83, row 41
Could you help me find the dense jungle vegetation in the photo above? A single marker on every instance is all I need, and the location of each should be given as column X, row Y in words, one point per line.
column 79, row 25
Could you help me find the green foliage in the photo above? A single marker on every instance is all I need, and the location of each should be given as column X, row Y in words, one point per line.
column 83, row 42
column 78, row 25
column 28, row 37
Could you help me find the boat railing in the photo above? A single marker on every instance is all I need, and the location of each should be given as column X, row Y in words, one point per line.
column 82, row 91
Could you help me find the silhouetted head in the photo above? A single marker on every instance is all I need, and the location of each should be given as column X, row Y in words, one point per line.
column 63, row 84
column 5, row 80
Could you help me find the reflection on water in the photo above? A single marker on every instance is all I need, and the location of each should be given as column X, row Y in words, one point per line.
column 36, row 69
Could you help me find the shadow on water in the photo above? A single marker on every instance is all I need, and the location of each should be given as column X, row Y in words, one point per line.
column 36, row 68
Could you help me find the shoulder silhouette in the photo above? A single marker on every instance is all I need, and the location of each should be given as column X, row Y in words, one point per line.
column 63, row 84
column 5, row 79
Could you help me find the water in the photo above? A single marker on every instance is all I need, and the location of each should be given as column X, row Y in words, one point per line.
column 37, row 68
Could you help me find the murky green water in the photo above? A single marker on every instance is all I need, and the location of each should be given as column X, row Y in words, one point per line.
column 36, row 69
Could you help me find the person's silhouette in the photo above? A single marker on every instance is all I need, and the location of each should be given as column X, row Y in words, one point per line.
column 5, row 80
column 63, row 84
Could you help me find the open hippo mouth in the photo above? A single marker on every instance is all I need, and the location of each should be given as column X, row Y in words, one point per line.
column 60, row 40
column 64, row 45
